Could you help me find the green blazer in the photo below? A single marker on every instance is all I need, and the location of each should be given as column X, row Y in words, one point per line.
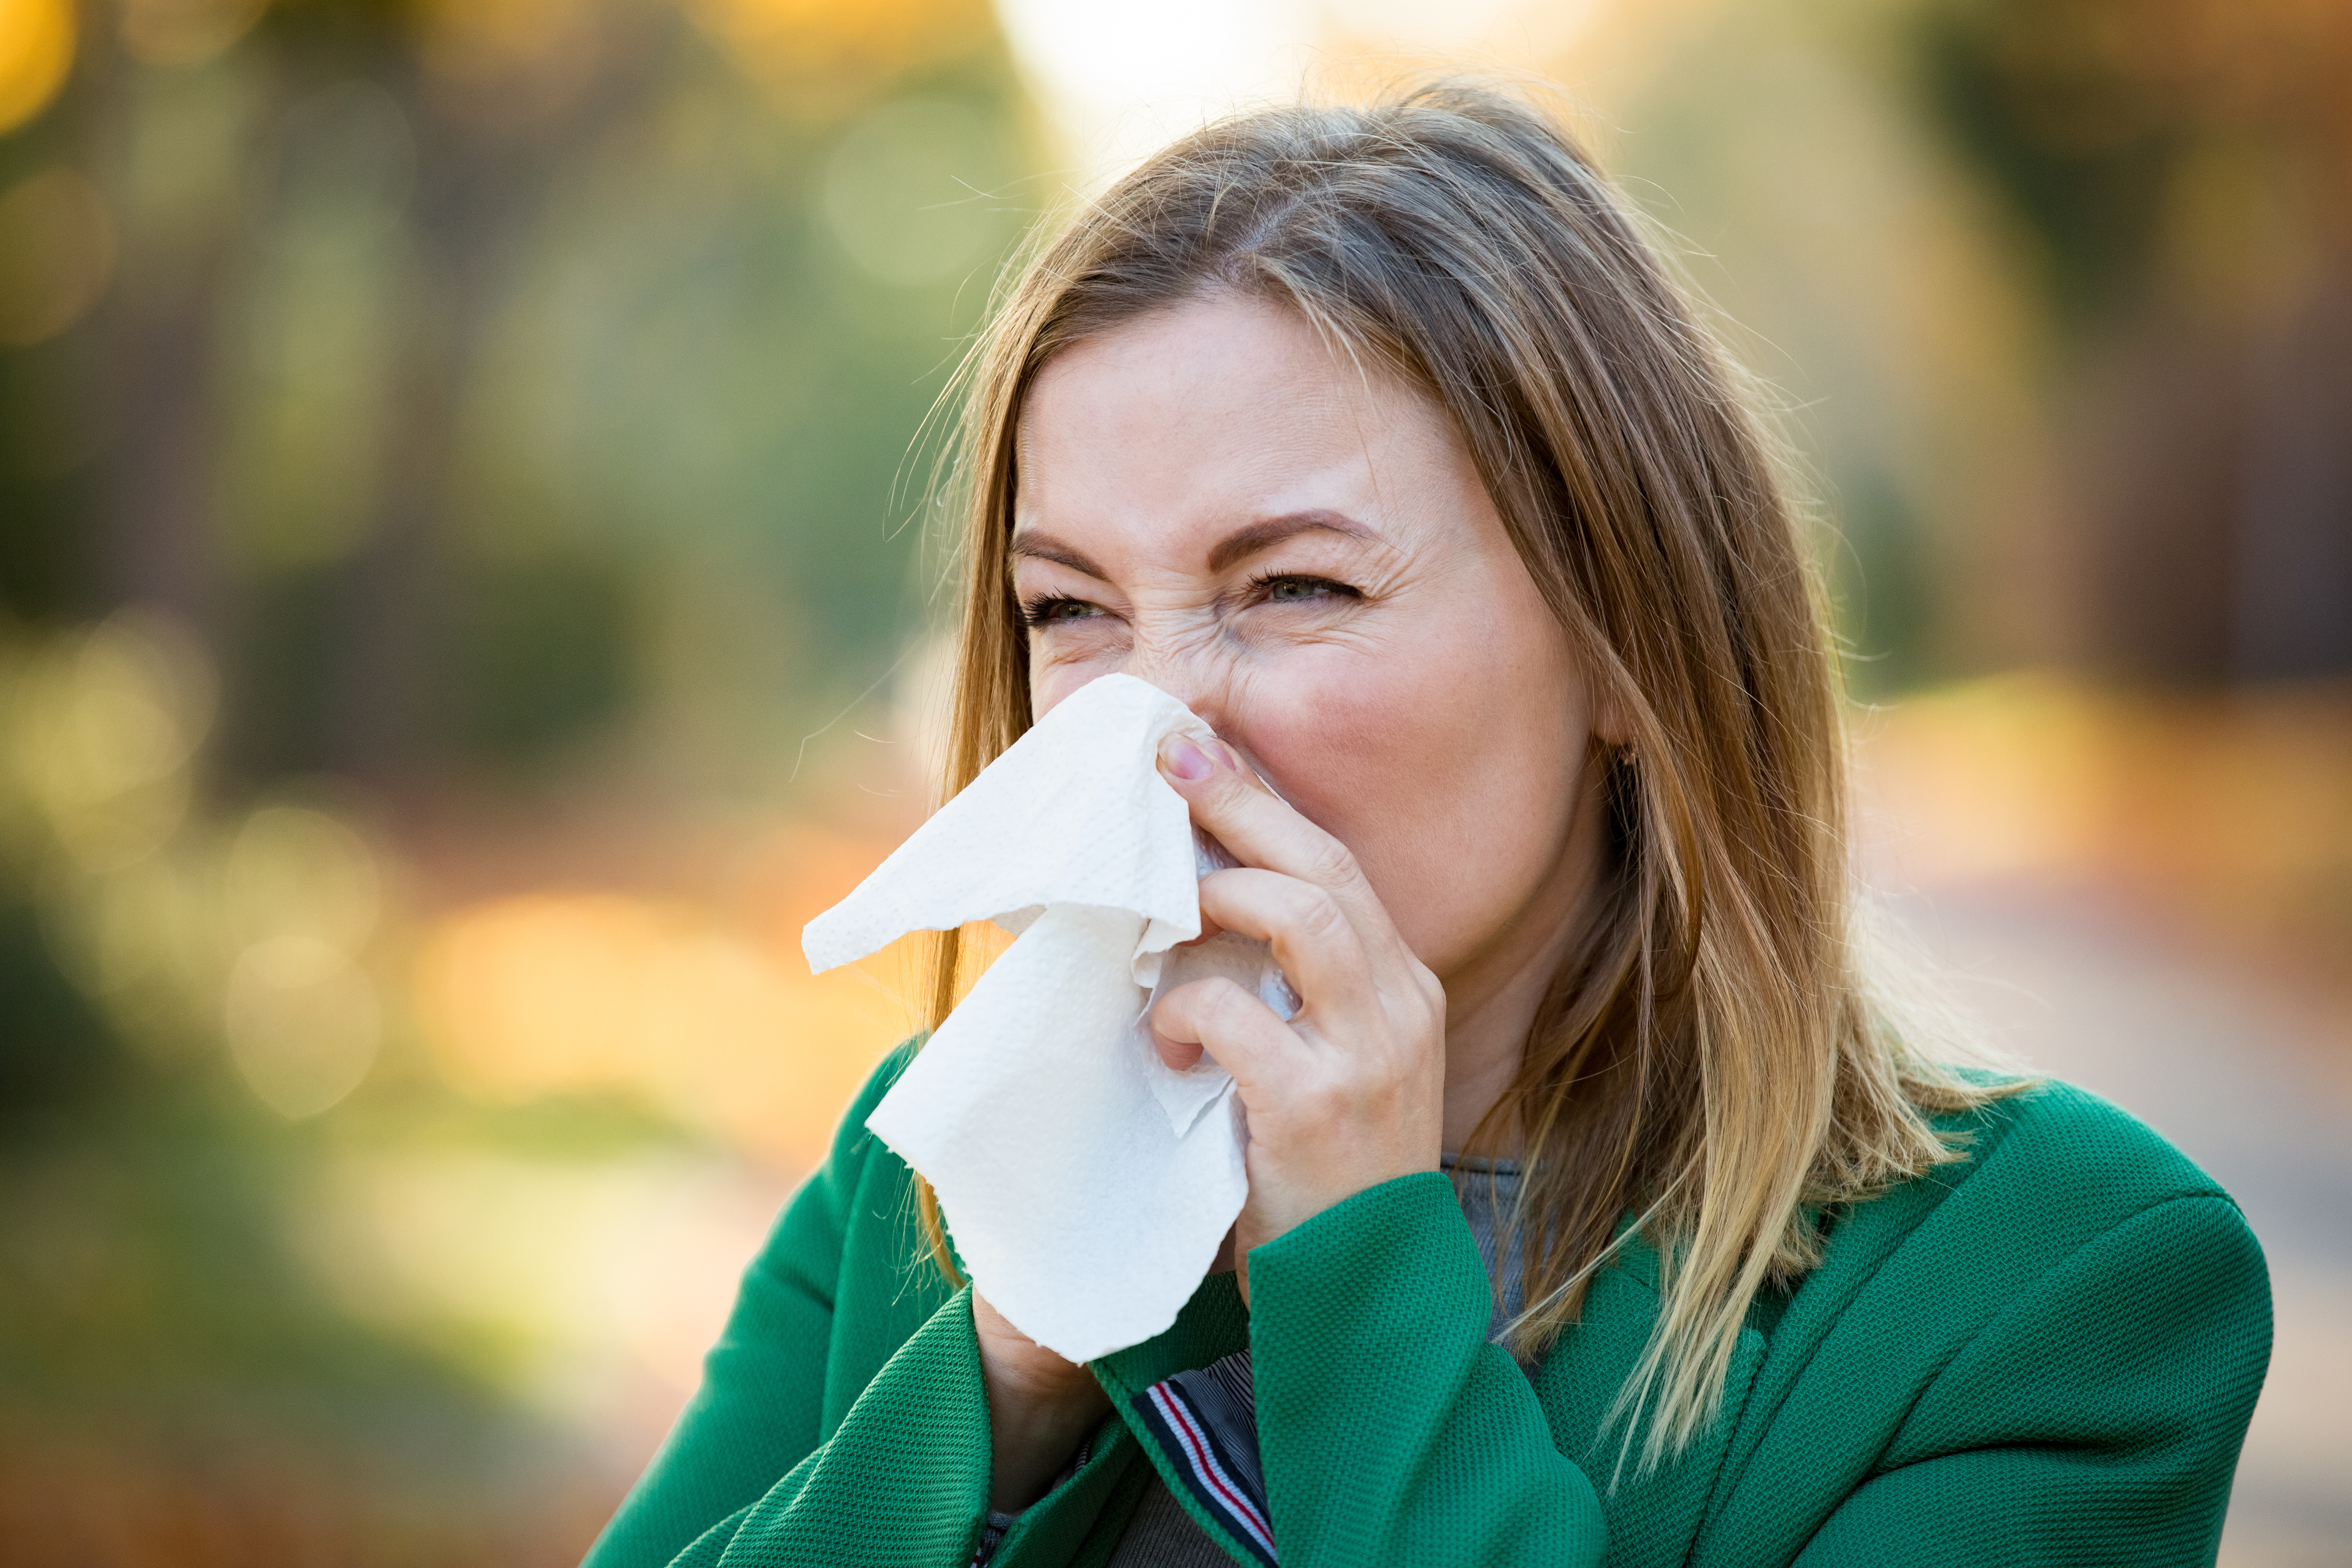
column 2046, row 1353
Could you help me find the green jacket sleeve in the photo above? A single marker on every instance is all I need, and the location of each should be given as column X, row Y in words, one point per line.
column 842, row 1419
column 2097, row 1420
column 758, row 1412
column 903, row 1481
column 1390, row 1429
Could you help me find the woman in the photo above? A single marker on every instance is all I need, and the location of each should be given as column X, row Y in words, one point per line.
column 1381, row 438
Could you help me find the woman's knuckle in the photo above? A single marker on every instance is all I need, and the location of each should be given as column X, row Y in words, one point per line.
column 1223, row 796
column 1223, row 999
column 1429, row 989
column 1323, row 1097
column 1331, row 864
column 1317, row 915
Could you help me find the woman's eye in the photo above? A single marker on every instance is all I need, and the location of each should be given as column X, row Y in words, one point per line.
column 1053, row 610
column 1294, row 590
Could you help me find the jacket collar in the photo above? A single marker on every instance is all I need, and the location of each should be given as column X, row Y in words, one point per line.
column 1212, row 1325
column 1655, row 1516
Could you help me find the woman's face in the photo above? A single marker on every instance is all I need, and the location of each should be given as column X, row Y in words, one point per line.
column 1301, row 550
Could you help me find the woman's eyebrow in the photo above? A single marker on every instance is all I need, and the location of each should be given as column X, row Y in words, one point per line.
column 1244, row 542
column 1238, row 545
column 1045, row 547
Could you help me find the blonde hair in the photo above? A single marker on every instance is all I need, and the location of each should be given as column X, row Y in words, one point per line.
column 1710, row 1055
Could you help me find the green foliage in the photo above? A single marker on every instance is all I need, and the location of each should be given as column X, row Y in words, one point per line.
column 2074, row 123
column 1880, row 585
column 533, row 652
column 55, row 1051
column 471, row 398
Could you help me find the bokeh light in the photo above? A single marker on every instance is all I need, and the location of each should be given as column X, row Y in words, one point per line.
column 303, row 1023
column 37, row 50
column 524, row 998
column 184, row 32
column 104, row 728
column 57, row 255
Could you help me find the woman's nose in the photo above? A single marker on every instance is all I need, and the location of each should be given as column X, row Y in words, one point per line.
column 1187, row 680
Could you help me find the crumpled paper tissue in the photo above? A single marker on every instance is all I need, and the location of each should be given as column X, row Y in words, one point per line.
column 1085, row 1185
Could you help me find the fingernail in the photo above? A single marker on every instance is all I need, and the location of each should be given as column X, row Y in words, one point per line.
column 1233, row 759
column 1185, row 760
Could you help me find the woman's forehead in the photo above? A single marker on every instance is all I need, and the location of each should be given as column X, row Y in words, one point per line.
column 1218, row 415
column 1222, row 357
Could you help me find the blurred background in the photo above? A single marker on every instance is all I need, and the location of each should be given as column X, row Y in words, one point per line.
column 468, row 596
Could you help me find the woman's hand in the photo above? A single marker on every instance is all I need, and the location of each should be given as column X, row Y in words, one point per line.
column 1351, row 1091
column 1039, row 1407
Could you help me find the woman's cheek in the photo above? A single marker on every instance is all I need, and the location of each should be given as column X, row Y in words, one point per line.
column 1350, row 752
column 1058, row 665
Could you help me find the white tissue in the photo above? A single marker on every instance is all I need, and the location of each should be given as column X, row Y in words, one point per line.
column 1087, row 1186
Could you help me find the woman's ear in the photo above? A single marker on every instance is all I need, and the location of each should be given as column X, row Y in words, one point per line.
column 1609, row 725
